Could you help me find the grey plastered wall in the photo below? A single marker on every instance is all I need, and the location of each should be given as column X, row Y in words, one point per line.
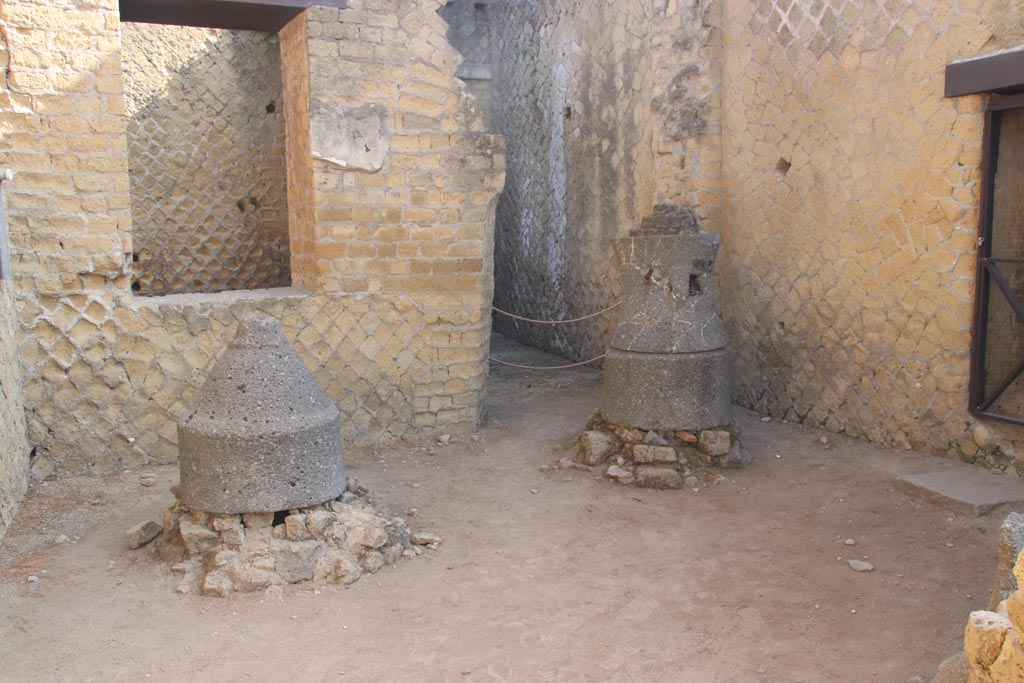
column 572, row 92
column 14, row 446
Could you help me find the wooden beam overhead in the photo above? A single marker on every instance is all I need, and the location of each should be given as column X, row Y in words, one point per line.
column 1002, row 73
column 268, row 16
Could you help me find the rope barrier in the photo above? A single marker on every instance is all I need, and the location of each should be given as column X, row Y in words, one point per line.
column 557, row 322
column 549, row 367
column 552, row 322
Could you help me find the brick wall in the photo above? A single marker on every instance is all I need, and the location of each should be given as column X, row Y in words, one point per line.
column 393, row 265
column 14, row 447
column 206, row 159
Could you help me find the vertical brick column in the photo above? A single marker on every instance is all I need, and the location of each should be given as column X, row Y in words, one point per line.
column 62, row 115
column 419, row 224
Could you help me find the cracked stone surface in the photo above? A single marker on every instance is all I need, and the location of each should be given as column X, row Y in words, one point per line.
column 668, row 367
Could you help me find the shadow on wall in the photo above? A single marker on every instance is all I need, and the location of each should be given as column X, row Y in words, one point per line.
column 206, row 153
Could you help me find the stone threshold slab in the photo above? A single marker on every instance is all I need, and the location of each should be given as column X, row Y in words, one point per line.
column 969, row 491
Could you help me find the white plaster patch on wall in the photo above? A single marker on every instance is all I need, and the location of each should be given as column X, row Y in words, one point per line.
column 355, row 138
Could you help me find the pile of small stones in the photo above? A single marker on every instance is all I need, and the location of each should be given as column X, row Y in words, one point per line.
column 334, row 542
column 657, row 459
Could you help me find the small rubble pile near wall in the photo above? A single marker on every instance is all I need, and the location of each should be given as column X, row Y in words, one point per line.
column 658, row 459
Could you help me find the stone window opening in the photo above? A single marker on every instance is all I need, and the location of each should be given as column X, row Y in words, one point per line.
column 206, row 154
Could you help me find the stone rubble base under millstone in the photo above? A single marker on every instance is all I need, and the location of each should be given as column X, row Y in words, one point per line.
column 333, row 542
column 657, row 459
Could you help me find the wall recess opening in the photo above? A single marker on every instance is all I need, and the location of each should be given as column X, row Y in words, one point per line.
column 206, row 156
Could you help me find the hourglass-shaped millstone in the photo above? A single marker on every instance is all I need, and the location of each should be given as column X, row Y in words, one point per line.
column 668, row 366
column 263, row 437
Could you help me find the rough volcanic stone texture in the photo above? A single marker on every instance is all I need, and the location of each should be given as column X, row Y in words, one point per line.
column 668, row 304
column 206, row 151
column 14, row 447
column 263, row 436
column 644, row 390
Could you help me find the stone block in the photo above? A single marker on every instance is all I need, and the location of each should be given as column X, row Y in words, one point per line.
column 629, row 435
column 354, row 138
column 142, row 533
column 197, row 538
column 1009, row 665
column 738, row 456
column 714, row 442
column 984, row 636
column 295, row 528
column 595, row 447
column 296, row 560
column 258, row 520
column 654, row 477
column 653, row 454
column 217, row 584
column 347, row 570
column 967, row 490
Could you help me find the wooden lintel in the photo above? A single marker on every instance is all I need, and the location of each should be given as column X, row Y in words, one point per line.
column 1000, row 73
column 268, row 16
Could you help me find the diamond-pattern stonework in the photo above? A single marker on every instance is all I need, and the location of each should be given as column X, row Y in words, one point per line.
column 106, row 386
column 852, row 189
column 206, row 157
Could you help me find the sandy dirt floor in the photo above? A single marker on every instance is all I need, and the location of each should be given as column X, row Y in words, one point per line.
column 542, row 576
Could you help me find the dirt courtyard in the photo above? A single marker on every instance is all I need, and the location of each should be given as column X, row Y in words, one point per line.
column 551, row 575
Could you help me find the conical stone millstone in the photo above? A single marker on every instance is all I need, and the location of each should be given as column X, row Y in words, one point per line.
column 263, row 437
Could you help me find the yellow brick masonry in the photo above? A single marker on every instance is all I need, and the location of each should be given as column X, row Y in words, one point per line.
column 14, row 446
column 393, row 268
column 852, row 192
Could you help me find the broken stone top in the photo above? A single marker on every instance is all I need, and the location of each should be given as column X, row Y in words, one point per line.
column 667, row 219
column 263, row 437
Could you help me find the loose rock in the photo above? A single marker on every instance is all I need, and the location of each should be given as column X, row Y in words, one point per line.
column 568, row 463
column 653, row 438
column 424, row 538
column 654, row 477
column 861, row 566
column 142, row 533
column 714, row 442
column 595, row 447
column 653, row 454
column 686, row 437
column 619, row 474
